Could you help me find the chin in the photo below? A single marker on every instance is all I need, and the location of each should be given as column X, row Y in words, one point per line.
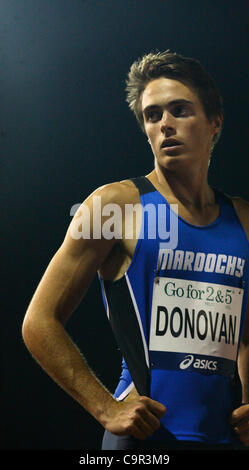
column 171, row 161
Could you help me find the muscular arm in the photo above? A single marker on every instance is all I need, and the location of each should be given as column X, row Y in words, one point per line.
column 243, row 360
column 240, row 416
column 242, row 208
column 61, row 289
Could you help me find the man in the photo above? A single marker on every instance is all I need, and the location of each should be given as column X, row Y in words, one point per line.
column 178, row 311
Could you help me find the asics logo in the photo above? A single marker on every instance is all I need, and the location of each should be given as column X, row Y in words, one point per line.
column 198, row 363
column 187, row 362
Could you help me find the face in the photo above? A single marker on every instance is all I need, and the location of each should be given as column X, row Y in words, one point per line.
column 176, row 124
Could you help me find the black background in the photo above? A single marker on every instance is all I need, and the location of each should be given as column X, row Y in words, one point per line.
column 65, row 130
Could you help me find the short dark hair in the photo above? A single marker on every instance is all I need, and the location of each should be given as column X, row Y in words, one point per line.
column 172, row 65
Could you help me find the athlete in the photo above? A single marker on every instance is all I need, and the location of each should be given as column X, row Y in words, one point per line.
column 174, row 278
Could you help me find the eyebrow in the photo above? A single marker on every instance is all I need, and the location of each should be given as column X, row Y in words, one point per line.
column 173, row 102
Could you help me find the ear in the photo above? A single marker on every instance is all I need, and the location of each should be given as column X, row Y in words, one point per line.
column 217, row 124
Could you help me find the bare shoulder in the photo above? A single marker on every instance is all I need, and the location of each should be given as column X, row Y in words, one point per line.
column 242, row 208
column 119, row 192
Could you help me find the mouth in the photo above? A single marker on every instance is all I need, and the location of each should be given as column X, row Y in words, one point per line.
column 171, row 143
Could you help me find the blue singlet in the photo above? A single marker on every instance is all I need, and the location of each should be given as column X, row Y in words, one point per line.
column 177, row 315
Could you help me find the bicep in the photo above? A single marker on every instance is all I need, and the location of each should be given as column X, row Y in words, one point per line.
column 68, row 276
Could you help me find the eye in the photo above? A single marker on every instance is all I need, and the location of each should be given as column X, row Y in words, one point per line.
column 181, row 110
column 153, row 116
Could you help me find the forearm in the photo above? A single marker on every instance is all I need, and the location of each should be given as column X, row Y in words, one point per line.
column 243, row 367
column 53, row 349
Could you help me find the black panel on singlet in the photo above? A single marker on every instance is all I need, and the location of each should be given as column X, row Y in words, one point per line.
column 143, row 184
column 220, row 195
column 126, row 330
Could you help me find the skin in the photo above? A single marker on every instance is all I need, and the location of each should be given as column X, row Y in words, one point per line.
column 181, row 176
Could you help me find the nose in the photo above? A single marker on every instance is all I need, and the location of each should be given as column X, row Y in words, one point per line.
column 168, row 124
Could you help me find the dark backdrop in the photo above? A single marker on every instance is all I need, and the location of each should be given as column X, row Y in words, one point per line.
column 65, row 130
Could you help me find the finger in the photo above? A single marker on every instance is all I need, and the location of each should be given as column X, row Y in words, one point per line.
column 146, row 420
column 244, row 440
column 139, row 429
column 151, row 421
column 154, row 405
column 240, row 414
column 130, row 430
column 145, row 428
column 158, row 409
column 137, row 433
column 140, row 422
column 242, row 428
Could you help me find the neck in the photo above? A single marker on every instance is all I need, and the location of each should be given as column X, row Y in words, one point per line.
column 190, row 188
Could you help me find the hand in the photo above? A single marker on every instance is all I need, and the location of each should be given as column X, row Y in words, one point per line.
column 240, row 423
column 138, row 417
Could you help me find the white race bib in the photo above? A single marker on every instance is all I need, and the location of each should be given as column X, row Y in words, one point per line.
column 195, row 318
